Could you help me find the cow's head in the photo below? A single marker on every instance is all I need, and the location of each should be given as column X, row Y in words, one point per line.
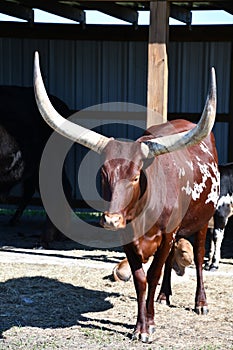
column 123, row 182
column 123, row 178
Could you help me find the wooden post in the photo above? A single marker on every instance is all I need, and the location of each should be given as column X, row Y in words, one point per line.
column 157, row 84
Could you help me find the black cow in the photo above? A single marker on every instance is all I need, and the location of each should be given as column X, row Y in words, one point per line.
column 23, row 135
column 223, row 212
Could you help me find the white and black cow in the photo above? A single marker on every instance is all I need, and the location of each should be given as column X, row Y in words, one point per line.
column 223, row 212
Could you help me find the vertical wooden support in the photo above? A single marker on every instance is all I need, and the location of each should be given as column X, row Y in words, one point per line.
column 157, row 84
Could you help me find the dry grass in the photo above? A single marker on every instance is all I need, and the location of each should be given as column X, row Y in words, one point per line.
column 46, row 306
column 64, row 299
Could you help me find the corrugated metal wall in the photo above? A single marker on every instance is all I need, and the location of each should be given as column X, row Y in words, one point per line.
column 82, row 73
column 190, row 64
column 86, row 73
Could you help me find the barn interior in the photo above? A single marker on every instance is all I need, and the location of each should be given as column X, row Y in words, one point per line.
column 80, row 60
column 65, row 297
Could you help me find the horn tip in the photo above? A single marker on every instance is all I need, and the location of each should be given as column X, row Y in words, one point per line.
column 36, row 55
column 213, row 75
column 36, row 61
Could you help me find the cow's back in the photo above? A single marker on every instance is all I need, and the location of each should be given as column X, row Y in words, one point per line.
column 21, row 118
column 192, row 174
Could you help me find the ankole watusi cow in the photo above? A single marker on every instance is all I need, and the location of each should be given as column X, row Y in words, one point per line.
column 23, row 135
column 164, row 185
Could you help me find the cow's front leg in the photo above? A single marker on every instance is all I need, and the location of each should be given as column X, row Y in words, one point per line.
column 153, row 276
column 201, row 306
column 141, row 330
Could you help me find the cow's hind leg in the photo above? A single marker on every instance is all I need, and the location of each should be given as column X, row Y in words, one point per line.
column 199, row 253
column 165, row 290
column 220, row 222
column 217, row 234
column 211, row 251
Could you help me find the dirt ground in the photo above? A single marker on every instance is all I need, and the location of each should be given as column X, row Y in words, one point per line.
column 65, row 299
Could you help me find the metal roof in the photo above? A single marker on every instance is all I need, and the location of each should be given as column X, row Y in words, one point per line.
column 125, row 10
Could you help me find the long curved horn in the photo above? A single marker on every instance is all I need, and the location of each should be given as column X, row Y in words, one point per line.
column 75, row 132
column 177, row 141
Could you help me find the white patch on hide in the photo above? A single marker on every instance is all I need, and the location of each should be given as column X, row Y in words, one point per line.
column 198, row 188
column 205, row 148
column 226, row 200
column 213, row 196
column 195, row 191
column 181, row 172
column 190, row 164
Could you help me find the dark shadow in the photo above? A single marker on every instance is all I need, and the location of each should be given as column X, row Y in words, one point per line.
column 104, row 323
column 26, row 235
column 102, row 258
column 226, row 263
column 47, row 303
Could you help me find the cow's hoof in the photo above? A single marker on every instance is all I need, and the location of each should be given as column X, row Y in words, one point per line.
column 144, row 337
column 213, row 268
column 201, row 310
column 136, row 335
column 207, row 267
column 163, row 301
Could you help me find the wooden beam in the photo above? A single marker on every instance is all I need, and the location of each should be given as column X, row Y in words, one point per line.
column 181, row 14
column 228, row 7
column 16, row 10
column 195, row 117
column 201, row 33
column 118, row 11
column 59, row 9
column 108, row 32
column 157, row 84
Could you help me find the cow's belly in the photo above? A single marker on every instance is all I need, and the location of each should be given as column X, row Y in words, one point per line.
column 196, row 218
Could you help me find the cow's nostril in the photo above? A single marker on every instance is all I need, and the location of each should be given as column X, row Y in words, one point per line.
column 112, row 221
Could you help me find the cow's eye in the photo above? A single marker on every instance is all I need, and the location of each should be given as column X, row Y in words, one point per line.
column 136, row 179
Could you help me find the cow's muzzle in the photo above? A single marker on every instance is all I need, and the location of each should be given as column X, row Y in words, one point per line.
column 112, row 221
